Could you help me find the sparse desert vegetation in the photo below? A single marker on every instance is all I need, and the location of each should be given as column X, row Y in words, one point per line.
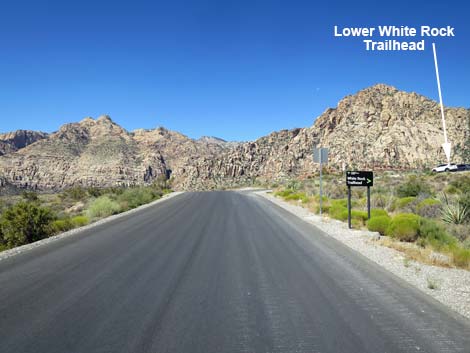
column 30, row 216
column 420, row 214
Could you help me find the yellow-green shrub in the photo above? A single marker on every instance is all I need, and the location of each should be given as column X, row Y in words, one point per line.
column 404, row 226
column 376, row 212
column 103, row 206
column 404, row 201
column 80, row 221
column 379, row 224
column 61, row 225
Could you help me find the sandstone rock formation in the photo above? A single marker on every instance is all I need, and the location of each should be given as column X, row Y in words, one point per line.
column 378, row 128
column 13, row 141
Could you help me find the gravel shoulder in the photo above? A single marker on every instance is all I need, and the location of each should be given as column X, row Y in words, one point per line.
column 20, row 249
column 452, row 285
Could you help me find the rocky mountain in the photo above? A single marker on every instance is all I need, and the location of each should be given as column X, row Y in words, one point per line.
column 13, row 141
column 378, row 128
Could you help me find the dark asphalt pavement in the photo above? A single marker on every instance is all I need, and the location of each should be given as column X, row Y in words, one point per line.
column 213, row 272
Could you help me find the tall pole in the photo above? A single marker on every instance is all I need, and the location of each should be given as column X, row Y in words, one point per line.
column 349, row 207
column 321, row 188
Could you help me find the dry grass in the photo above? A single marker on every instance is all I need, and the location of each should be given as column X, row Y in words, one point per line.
column 419, row 254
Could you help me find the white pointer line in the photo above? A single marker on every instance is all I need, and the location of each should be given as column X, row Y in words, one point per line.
column 440, row 99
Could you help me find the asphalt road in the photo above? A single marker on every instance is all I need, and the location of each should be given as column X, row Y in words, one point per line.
column 213, row 272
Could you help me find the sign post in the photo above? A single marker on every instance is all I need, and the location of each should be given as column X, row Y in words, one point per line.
column 359, row 178
column 320, row 155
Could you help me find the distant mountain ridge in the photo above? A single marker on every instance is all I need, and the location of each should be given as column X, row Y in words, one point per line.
column 13, row 141
column 379, row 127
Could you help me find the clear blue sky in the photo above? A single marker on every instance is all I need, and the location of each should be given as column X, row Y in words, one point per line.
column 233, row 69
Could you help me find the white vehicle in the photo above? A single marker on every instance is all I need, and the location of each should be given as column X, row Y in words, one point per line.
column 445, row 168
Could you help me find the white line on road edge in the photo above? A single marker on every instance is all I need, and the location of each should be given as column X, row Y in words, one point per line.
column 20, row 249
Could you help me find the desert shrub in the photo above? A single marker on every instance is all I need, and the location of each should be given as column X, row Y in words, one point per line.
column 283, row 193
column 337, row 211
column 25, row 223
column 30, row 196
column 451, row 189
column 103, row 206
column 413, row 187
column 453, row 212
column 459, row 231
column 297, row 196
column 340, row 203
column 134, row 197
column 294, row 185
column 466, row 243
column 379, row 224
column 95, row 192
column 325, row 207
column 434, row 234
column 404, row 226
column 61, row 225
column 79, row 221
column 356, row 222
column 427, row 202
column 429, row 208
column 464, row 202
column 324, row 198
column 75, row 193
column 461, row 257
column 462, row 183
column 404, row 201
column 376, row 212
column 359, row 216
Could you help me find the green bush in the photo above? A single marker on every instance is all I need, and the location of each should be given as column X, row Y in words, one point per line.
column 75, row 193
column 65, row 224
column 297, row 196
column 79, row 221
column 134, row 197
column 434, row 234
column 404, row 201
column 337, row 211
column 359, row 216
column 340, row 203
column 103, row 206
column 464, row 202
column 30, row 196
column 427, row 202
column 404, row 226
column 413, row 187
column 25, row 223
column 376, row 212
column 461, row 257
column 61, row 225
column 95, row 192
column 379, row 224
column 462, row 183
column 283, row 193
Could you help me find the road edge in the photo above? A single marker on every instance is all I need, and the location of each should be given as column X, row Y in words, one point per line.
column 27, row 247
column 456, row 299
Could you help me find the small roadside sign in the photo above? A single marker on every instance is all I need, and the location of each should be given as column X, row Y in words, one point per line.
column 359, row 178
column 320, row 155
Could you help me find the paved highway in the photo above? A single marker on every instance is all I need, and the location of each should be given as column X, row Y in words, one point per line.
column 213, row 272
